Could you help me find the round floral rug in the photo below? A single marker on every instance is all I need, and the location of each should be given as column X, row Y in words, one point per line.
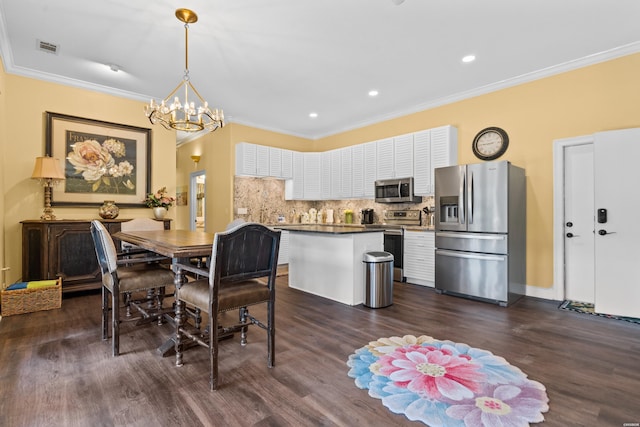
column 447, row 384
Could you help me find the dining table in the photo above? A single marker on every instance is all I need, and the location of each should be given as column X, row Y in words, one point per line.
column 179, row 245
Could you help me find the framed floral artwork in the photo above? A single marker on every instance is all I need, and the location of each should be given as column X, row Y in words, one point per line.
column 102, row 161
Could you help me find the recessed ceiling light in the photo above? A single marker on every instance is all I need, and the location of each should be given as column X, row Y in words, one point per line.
column 469, row 58
column 313, row 115
column 373, row 93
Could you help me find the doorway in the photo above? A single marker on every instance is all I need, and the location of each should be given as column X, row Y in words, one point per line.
column 570, row 157
column 595, row 226
column 197, row 191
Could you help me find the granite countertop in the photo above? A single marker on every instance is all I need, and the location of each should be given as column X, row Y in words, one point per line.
column 329, row 229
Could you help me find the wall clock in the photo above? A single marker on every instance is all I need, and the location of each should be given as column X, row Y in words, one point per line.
column 490, row 143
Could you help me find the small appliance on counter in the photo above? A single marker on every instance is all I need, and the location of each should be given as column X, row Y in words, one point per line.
column 366, row 216
column 329, row 216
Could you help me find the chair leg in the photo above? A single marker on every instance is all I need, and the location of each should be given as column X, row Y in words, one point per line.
column 244, row 313
column 179, row 321
column 271, row 335
column 213, row 350
column 127, row 303
column 105, row 313
column 115, row 323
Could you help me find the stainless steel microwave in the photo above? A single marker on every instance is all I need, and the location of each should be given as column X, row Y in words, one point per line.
column 398, row 190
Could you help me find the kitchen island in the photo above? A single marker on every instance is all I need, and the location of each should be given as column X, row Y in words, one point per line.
column 326, row 260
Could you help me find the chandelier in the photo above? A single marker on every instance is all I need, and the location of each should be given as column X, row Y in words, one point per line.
column 185, row 116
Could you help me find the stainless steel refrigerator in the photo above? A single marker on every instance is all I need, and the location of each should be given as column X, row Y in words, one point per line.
column 480, row 222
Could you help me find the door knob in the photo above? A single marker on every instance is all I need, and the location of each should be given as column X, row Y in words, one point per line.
column 570, row 235
column 605, row 232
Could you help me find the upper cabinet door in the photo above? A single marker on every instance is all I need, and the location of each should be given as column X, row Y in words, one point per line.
column 403, row 156
column 336, row 174
column 444, row 149
column 275, row 162
column 246, row 159
column 325, row 175
column 287, row 164
column 422, row 171
column 262, row 160
column 312, row 176
column 370, row 158
column 384, row 161
column 357, row 171
column 347, row 172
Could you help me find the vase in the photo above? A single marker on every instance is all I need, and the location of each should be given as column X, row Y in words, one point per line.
column 108, row 210
column 159, row 212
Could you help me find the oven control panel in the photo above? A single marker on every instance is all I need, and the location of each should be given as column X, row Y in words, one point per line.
column 402, row 217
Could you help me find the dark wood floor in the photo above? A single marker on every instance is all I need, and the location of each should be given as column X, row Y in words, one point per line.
column 55, row 370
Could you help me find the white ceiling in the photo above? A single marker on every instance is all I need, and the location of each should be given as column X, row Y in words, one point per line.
column 269, row 63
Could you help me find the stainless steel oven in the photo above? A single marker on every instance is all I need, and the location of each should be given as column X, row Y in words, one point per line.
column 393, row 226
column 393, row 242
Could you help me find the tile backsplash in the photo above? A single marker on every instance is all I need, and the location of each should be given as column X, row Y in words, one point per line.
column 263, row 199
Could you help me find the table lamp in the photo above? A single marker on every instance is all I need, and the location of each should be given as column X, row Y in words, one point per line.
column 47, row 170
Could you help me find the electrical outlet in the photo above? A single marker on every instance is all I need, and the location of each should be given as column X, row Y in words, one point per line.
column 242, row 211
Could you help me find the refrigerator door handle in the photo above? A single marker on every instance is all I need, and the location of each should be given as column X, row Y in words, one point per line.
column 470, row 199
column 456, row 235
column 468, row 255
column 461, row 199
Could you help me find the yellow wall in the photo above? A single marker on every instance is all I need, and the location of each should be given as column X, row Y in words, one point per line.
column 24, row 140
column 3, row 138
column 592, row 99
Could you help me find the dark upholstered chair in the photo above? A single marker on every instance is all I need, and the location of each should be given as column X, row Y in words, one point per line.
column 241, row 259
column 126, row 276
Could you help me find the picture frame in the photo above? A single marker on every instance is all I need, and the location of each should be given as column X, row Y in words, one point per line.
column 102, row 161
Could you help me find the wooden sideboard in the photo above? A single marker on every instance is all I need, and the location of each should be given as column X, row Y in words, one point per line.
column 64, row 248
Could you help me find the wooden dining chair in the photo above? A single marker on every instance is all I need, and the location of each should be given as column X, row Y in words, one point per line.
column 126, row 276
column 241, row 259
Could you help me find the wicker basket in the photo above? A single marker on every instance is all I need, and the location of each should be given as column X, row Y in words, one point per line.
column 22, row 301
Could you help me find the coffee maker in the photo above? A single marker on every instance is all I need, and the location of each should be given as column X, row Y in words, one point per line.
column 366, row 216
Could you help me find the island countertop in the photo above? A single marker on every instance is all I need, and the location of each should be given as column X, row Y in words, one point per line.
column 327, row 229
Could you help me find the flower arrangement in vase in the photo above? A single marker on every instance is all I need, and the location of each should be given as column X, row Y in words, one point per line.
column 160, row 201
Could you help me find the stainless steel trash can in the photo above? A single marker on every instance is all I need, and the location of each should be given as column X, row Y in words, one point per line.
column 378, row 279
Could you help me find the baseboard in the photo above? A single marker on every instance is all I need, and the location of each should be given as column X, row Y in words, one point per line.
column 543, row 293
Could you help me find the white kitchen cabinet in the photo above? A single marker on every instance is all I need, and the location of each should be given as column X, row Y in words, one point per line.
column 357, row 171
column 432, row 148
column 395, row 157
column 419, row 257
column 444, row 149
column 287, row 164
column 370, row 157
column 336, row 174
column 246, row 159
column 283, row 253
column 325, row 175
column 403, row 156
column 346, row 169
column 262, row 160
column 275, row 162
column 422, row 170
column 312, row 179
column 384, row 160
column 294, row 187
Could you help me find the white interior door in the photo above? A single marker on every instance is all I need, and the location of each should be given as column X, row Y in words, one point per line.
column 578, row 223
column 617, row 289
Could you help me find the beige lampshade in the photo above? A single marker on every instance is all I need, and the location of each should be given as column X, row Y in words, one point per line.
column 47, row 168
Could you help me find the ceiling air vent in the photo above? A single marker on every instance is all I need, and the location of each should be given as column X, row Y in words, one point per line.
column 47, row 47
